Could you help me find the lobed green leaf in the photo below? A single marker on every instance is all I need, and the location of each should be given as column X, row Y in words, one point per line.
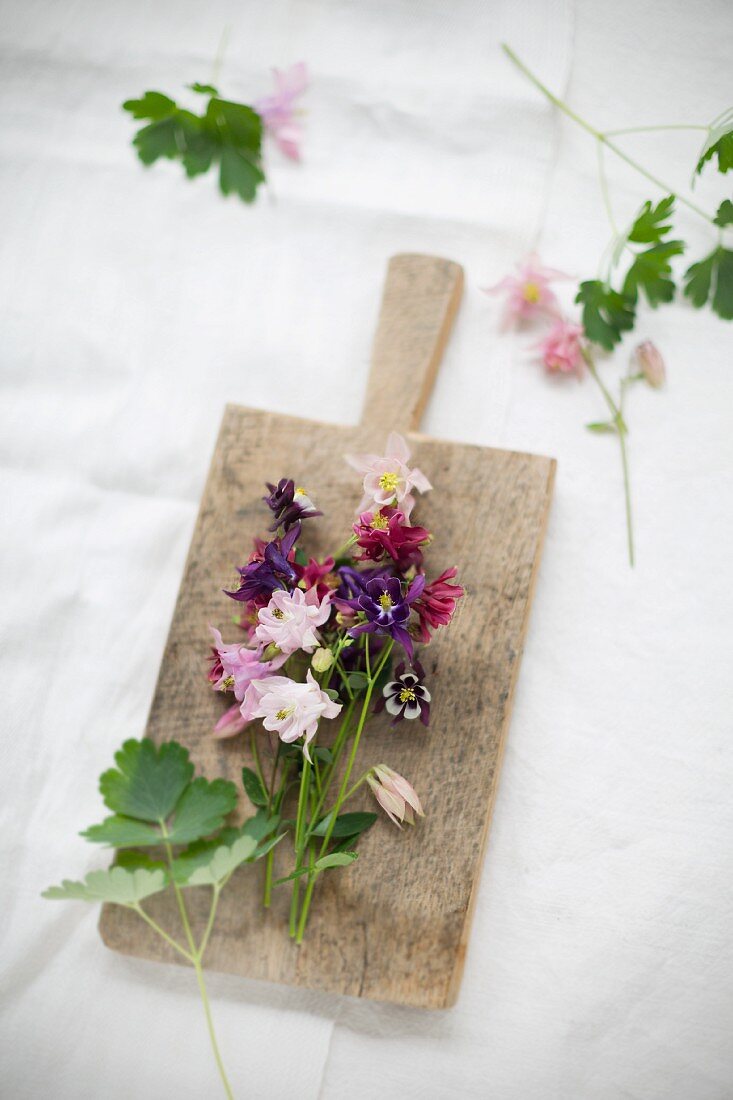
column 117, row 885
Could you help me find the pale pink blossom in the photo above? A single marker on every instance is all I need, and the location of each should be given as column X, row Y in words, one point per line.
column 388, row 480
column 231, row 722
column 528, row 293
column 395, row 795
column 291, row 709
column 278, row 111
column 562, row 348
column 650, row 363
column 238, row 664
column 290, row 619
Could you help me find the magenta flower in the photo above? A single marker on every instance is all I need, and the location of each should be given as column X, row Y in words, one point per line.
column 562, row 348
column 388, row 481
column 395, row 795
column 437, row 603
column 648, row 360
column 528, row 292
column 278, row 111
column 386, row 532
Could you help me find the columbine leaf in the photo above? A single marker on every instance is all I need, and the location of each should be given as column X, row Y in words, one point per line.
column 253, row 787
column 724, row 215
column 651, row 271
column 123, row 832
column 606, row 313
column 152, row 105
column 148, row 781
column 203, row 89
column 346, row 824
column 358, row 681
column 719, row 143
column 711, row 279
column 238, row 174
column 234, row 124
column 259, row 826
column 336, row 859
column 601, row 426
column 160, row 139
column 132, row 860
column 117, row 885
column 202, row 810
column 651, row 222
column 218, row 863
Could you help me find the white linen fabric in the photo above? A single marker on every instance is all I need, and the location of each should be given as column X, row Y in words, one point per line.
column 134, row 304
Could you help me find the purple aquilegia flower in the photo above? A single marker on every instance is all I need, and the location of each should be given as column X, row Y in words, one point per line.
column 260, row 578
column 406, row 696
column 387, row 608
column 289, row 504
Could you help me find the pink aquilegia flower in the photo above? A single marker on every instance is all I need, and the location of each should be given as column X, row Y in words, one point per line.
column 395, row 795
column 437, row 602
column 562, row 348
column 387, row 478
column 293, row 710
column 290, row 619
column 648, row 360
column 234, row 666
column 278, row 111
column 528, row 293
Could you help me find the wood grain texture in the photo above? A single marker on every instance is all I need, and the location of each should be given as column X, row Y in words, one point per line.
column 395, row 926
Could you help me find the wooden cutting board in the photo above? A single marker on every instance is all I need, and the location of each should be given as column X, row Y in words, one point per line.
column 395, row 926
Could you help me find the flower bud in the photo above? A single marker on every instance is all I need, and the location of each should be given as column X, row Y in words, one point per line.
column 271, row 652
column 649, row 361
column 322, row 660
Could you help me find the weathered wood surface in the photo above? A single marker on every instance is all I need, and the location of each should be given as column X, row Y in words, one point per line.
column 395, row 926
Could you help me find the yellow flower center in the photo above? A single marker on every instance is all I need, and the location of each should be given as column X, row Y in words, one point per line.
column 380, row 522
column 300, row 491
column 407, row 695
column 388, row 482
column 228, row 684
column 284, row 713
column 386, row 601
column 531, row 293
column 277, row 613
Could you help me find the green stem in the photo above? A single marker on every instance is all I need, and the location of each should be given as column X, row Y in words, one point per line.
column 161, row 932
column 210, row 922
column 655, row 129
column 299, row 845
column 622, row 431
column 340, row 798
column 196, row 955
column 603, row 137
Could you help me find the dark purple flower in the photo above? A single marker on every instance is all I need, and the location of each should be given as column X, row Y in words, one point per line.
column 386, row 608
column 406, row 696
column 259, row 578
column 289, row 504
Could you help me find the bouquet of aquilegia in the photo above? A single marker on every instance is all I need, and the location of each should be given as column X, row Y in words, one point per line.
column 321, row 640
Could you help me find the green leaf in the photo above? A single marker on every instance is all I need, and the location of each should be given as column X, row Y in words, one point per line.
column 152, row 105
column 606, row 313
column 123, row 832
column 336, row 859
column 117, row 885
column 220, row 861
column 159, row 139
column 719, row 143
column 724, row 215
column 651, row 222
column 651, row 271
column 132, row 860
column 323, row 754
column 358, row 681
column 260, row 826
column 711, row 280
column 254, row 788
column 346, row 824
column 202, row 810
column 238, row 174
column 234, row 124
column 203, row 89
column 601, row 426
column 148, row 781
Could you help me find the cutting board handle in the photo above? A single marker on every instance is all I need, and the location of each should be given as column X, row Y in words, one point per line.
column 420, row 300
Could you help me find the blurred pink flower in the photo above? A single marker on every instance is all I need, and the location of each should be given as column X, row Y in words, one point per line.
column 235, row 665
column 650, row 363
column 562, row 348
column 278, row 111
column 395, row 795
column 528, row 292
column 387, row 478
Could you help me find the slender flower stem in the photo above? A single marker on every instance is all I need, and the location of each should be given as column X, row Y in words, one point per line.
column 655, row 129
column 210, row 922
column 603, row 137
column 299, row 842
column 340, row 798
column 195, row 957
column 621, row 431
column 161, row 932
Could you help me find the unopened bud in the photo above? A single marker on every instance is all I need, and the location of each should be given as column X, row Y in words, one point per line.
column 322, row 660
column 649, row 360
